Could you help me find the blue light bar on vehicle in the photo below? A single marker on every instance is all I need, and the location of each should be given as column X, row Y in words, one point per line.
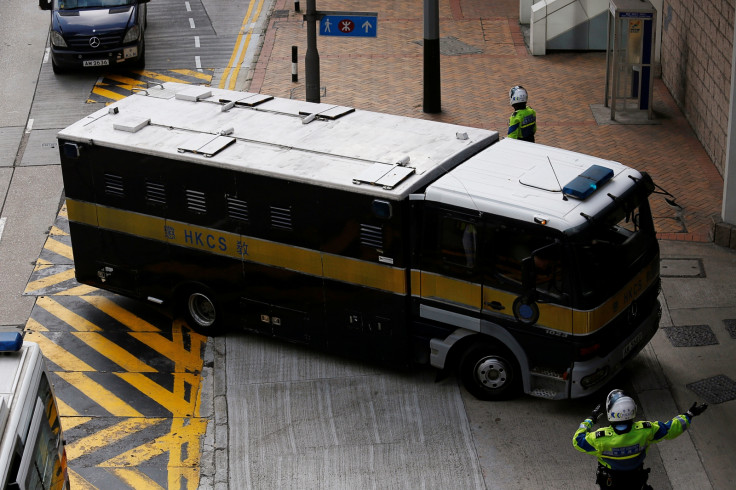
column 588, row 182
column 10, row 341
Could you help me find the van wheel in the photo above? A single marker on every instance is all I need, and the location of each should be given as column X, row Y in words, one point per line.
column 57, row 69
column 489, row 372
column 201, row 311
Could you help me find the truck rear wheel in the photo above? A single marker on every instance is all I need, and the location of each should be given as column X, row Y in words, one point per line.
column 489, row 372
column 201, row 310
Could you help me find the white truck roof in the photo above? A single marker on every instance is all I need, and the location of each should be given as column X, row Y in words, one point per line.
column 341, row 147
column 525, row 181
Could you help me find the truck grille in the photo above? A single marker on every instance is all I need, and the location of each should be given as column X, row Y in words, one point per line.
column 107, row 41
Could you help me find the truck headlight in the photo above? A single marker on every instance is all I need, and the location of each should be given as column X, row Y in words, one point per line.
column 132, row 35
column 57, row 40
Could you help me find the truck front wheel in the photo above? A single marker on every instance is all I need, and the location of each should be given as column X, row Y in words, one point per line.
column 489, row 372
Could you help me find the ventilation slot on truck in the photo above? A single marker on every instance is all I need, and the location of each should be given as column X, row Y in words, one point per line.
column 281, row 218
column 371, row 236
column 196, row 201
column 155, row 192
column 114, row 185
column 237, row 209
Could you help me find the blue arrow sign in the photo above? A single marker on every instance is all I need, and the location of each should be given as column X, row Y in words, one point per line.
column 348, row 25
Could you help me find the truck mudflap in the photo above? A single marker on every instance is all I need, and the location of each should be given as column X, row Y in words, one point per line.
column 589, row 376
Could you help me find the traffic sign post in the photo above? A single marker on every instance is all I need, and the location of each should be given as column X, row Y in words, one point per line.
column 348, row 24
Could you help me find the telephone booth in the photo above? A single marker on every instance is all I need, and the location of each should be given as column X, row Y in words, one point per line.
column 630, row 56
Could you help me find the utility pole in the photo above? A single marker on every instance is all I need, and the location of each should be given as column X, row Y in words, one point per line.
column 432, row 90
column 311, row 59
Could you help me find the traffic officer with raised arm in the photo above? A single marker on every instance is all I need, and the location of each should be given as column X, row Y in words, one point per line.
column 622, row 446
column 523, row 122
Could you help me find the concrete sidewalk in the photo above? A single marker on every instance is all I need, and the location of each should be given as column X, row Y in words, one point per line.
column 483, row 55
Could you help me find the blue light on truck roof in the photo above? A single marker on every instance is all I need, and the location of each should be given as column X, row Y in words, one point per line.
column 588, row 182
column 10, row 341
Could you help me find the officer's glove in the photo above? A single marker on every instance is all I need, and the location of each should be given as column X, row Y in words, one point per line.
column 696, row 409
column 597, row 412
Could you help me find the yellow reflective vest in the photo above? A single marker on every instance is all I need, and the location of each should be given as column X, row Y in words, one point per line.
column 523, row 124
column 625, row 452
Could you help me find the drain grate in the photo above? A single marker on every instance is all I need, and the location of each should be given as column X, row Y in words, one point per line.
column 731, row 327
column 676, row 267
column 690, row 335
column 717, row 389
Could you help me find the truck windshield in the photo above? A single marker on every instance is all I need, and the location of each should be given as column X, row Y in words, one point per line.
column 76, row 4
column 614, row 248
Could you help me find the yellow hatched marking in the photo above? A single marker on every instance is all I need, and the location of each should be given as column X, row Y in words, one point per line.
column 55, row 231
column 185, row 360
column 114, row 352
column 42, row 264
column 109, row 436
column 99, row 394
column 64, row 314
column 172, row 401
column 80, row 290
column 69, row 422
column 52, row 280
column 135, row 478
column 62, row 211
column 126, row 83
column 61, row 357
column 180, row 436
column 108, row 94
column 78, row 483
column 33, row 325
column 120, row 314
column 164, row 78
column 194, row 74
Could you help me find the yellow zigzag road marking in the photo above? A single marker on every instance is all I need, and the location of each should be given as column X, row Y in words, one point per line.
column 135, row 478
column 109, row 436
column 120, row 314
column 72, row 319
column 99, row 394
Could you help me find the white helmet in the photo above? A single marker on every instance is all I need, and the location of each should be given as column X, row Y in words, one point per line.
column 620, row 407
column 518, row 95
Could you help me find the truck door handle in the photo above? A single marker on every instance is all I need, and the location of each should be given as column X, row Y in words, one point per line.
column 495, row 305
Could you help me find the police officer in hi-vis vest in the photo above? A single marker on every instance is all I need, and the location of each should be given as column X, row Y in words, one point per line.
column 523, row 122
column 622, row 446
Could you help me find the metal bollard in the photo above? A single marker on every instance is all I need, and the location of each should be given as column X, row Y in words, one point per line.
column 294, row 75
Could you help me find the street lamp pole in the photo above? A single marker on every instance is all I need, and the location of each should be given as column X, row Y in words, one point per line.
column 432, row 91
column 311, row 59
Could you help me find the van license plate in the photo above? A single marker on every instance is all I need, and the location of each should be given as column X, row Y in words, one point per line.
column 95, row 63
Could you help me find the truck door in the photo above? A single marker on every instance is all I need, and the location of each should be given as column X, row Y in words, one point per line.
column 450, row 286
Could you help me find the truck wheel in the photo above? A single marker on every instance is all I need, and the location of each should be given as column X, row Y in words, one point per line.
column 489, row 372
column 201, row 311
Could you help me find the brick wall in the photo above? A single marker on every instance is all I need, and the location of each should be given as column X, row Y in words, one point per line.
column 697, row 44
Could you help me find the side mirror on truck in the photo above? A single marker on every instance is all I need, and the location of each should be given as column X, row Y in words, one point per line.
column 45, row 4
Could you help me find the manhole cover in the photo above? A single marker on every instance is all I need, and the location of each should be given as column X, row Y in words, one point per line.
column 690, row 335
column 731, row 327
column 682, row 268
column 717, row 389
column 453, row 46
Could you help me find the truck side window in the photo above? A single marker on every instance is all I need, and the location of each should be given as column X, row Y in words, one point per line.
column 458, row 242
